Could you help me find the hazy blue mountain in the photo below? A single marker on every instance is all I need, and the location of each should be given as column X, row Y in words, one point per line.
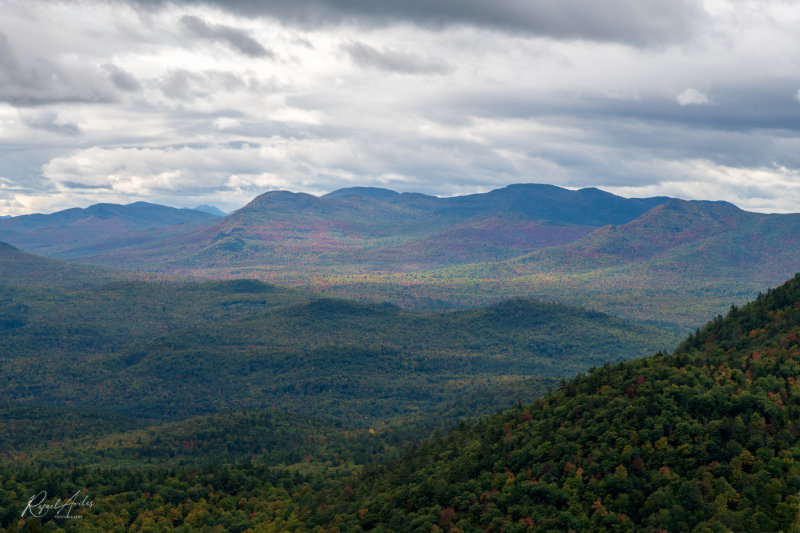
column 53, row 234
column 211, row 210
column 591, row 207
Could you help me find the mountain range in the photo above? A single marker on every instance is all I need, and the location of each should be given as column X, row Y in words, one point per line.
column 673, row 261
column 179, row 402
column 377, row 229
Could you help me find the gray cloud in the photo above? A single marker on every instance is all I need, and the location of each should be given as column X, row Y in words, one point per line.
column 181, row 84
column 176, row 123
column 392, row 60
column 83, row 186
column 39, row 81
column 647, row 23
column 122, row 79
column 762, row 105
column 234, row 37
column 48, row 121
column 187, row 85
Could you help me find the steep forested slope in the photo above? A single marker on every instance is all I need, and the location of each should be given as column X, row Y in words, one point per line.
column 705, row 439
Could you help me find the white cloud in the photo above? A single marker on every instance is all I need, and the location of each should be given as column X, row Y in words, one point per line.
column 692, row 97
column 772, row 189
column 227, row 123
column 797, row 95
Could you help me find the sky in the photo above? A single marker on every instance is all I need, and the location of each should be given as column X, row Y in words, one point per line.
column 185, row 103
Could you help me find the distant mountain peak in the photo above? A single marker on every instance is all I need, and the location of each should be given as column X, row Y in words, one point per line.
column 282, row 195
column 50, row 234
column 210, row 209
column 281, row 198
column 703, row 208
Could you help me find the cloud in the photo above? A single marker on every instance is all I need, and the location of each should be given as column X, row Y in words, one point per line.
column 392, row 60
column 48, row 121
column 182, row 84
column 122, row 79
column 226, row 123
column 38, row 81
column 771, row 189
column 137, row 105
column 651, row 23
column 797, row 95
column 144, row 171
column 692, row 97
column 76, row 185
column 234, row 37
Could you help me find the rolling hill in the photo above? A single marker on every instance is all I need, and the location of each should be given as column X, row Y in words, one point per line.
column 694, row 236
column 23, row 269
column 58, row 234
column 170, row 350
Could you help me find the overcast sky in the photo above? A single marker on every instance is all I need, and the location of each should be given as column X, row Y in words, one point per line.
column 186, row 102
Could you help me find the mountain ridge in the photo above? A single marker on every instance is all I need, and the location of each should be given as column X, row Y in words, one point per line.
column 56, row 233
column 352, row 226
column 658, row 258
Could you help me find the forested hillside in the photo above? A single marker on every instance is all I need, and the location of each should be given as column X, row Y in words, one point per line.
column 705, row 439
column 168, row 350
column 22, row 269
column 681, row 262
